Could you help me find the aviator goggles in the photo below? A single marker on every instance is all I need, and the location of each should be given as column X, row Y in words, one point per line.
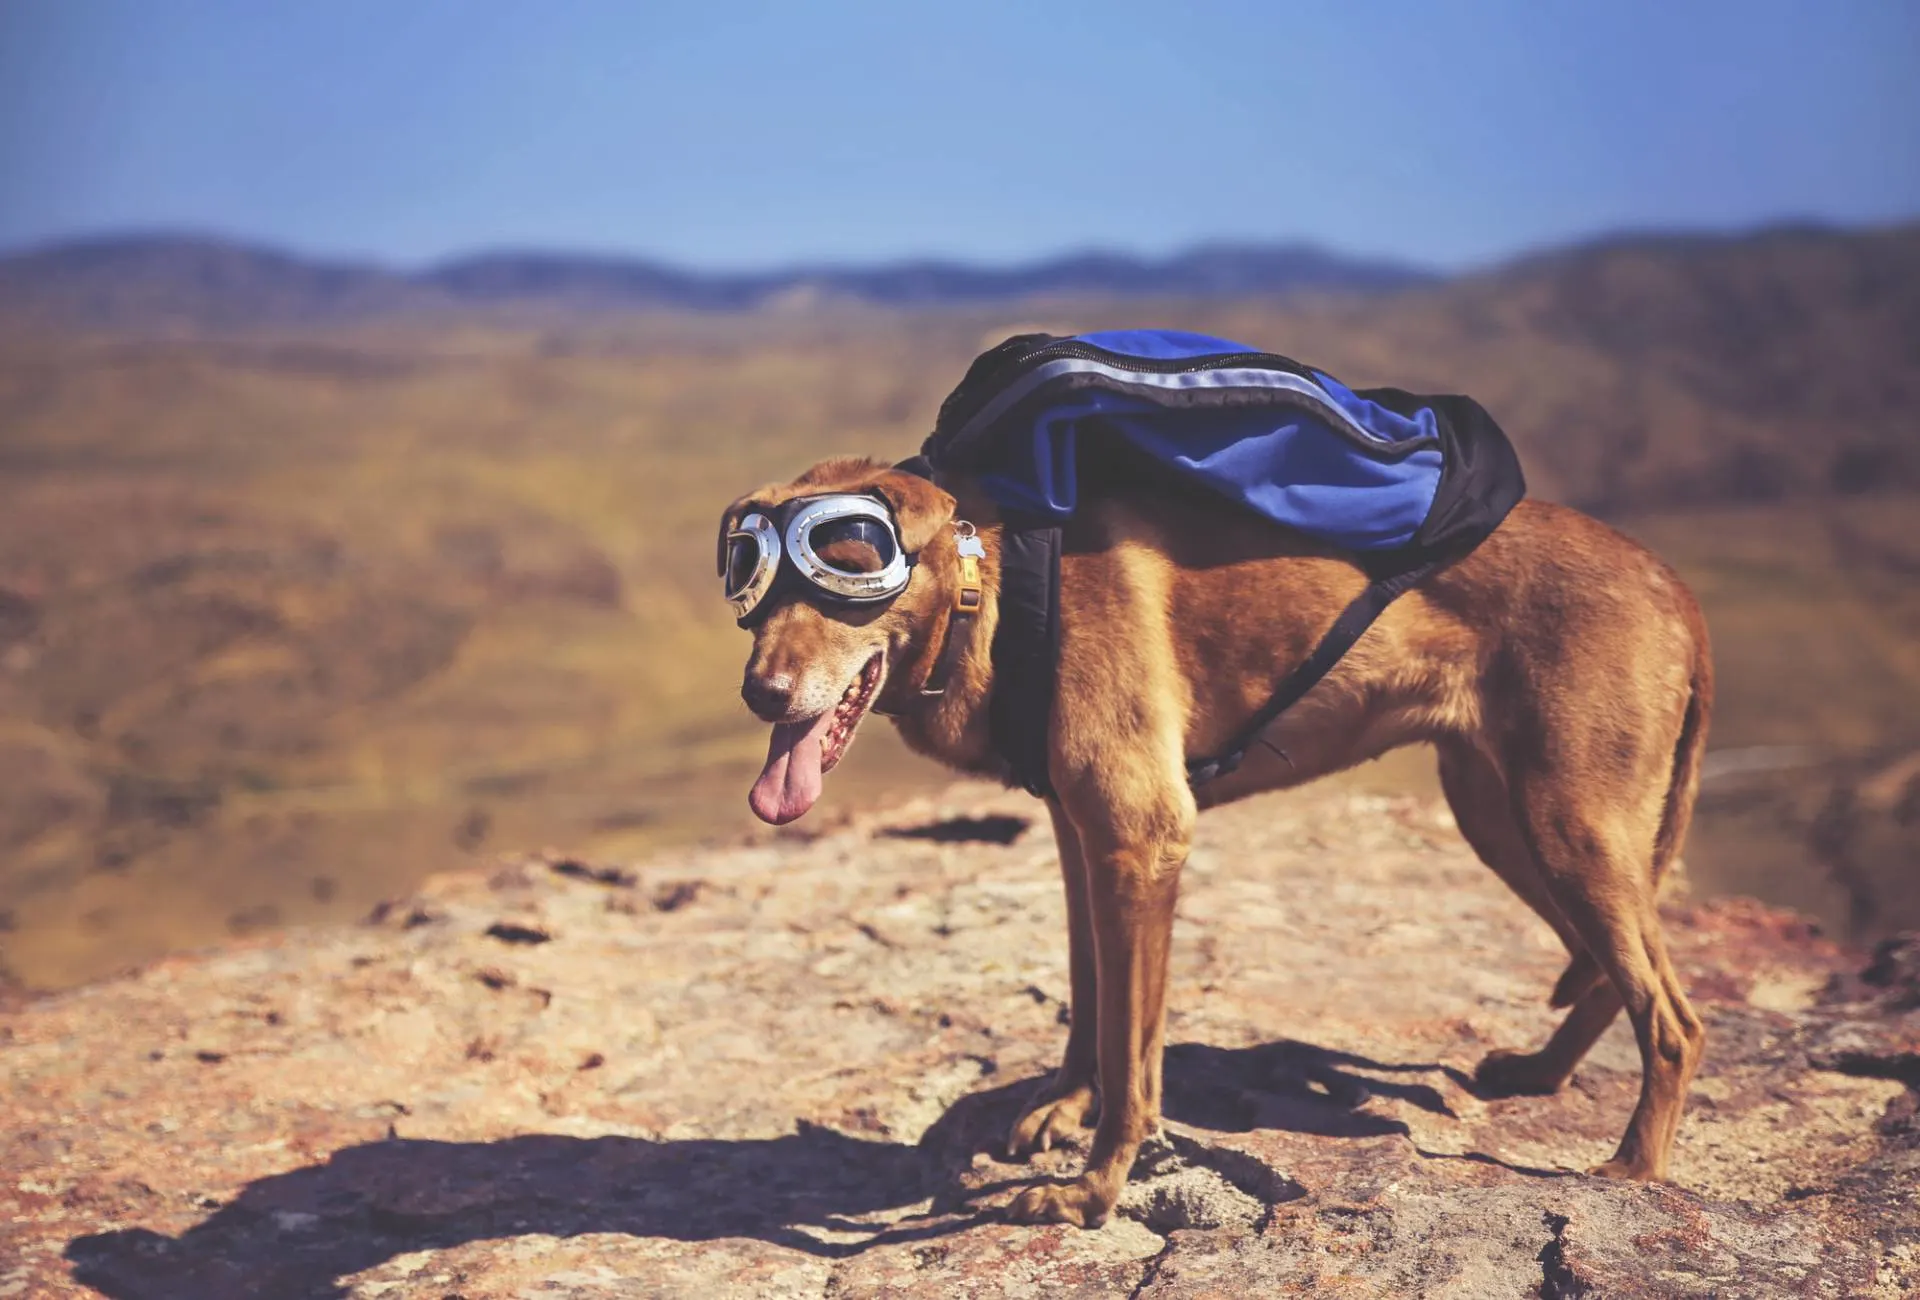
column 770, row 550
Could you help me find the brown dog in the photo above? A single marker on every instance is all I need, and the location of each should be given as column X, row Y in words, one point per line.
column 1561, row 671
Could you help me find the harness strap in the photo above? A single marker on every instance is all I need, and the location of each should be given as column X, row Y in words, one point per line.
column 1352, row 624
column 1026, row 648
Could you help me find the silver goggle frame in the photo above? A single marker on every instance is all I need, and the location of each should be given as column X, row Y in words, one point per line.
column 796, row 546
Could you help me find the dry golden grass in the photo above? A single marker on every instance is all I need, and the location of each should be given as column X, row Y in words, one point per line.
column 299, row 622
column 288, row 622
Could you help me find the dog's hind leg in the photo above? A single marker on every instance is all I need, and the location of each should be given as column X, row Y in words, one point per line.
column 1483, row 809
column 1505, row 1073
column 1594, row 846
column 1060, row 1107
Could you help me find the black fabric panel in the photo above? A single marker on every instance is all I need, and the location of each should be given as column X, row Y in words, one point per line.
column 988, row 374
column 1480, row 477
column 1026, row 647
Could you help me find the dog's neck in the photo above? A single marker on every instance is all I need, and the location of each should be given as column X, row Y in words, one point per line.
column 951, row 726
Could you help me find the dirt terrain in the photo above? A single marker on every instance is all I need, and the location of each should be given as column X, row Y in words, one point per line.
column 782, row 1068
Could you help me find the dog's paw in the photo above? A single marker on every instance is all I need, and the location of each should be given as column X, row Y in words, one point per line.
column 1077, row 1203
column 1515, row 1074
column 1633, row 1171
column 1054, row 1116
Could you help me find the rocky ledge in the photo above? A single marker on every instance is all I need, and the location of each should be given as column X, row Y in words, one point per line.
column 784, row 1069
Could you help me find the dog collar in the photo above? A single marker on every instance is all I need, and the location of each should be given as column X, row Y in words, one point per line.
column 962, row 614
column 965, row 610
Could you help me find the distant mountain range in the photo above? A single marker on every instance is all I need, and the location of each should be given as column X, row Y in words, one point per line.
column 134, row 281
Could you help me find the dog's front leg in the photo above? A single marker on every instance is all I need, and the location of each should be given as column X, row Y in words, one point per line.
column 1132, row 873
column 1059, row 1108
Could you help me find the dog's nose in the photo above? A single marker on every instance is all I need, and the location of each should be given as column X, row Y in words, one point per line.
column 768, row 697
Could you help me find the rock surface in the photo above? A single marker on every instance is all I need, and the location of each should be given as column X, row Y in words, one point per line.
column 784, row 1069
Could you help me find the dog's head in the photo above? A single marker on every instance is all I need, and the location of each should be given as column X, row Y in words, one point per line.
column 818, row 664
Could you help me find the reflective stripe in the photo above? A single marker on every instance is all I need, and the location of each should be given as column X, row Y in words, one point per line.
column 1313, row 397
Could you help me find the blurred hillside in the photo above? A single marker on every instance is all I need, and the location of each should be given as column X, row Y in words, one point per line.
column 161, row 282
column 299, row 604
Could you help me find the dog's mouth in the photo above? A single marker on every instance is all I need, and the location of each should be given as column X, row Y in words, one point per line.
column 800, row 754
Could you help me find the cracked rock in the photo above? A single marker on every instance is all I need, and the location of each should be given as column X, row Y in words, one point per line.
column 789, row 1068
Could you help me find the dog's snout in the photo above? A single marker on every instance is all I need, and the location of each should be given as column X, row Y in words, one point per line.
column 769, row 697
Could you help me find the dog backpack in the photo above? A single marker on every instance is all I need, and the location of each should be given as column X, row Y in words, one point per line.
column 1404, row 483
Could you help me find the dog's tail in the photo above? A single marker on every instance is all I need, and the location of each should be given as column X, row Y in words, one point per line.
column 1583, row 972
column 1687, row 752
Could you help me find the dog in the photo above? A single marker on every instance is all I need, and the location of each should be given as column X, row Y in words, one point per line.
column 1561, row 671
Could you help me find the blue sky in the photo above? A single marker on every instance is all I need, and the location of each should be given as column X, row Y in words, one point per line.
column 746, row 134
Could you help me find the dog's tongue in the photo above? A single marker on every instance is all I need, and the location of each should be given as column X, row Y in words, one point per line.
column 790, row 782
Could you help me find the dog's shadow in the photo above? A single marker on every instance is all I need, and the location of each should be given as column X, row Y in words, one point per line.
column 296, row 1234
column 1292, row 1086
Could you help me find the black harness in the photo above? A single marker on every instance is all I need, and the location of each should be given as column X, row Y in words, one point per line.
column 1480, row 482
column 1026, row 648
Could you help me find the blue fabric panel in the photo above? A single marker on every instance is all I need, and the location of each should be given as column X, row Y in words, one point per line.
column 1282, row 464
column 1162, row 345
column 1374, row 417
column 1278, row 459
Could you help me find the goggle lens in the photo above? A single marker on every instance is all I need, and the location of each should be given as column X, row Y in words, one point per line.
column 743, row 559
column 749, row 561
column 854, row 545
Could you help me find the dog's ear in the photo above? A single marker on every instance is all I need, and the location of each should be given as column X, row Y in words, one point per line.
column 920, row 508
